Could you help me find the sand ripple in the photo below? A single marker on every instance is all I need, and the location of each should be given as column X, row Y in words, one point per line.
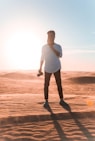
column 54, row 127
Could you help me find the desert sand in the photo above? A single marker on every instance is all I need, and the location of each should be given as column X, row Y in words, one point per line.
column 23, row 117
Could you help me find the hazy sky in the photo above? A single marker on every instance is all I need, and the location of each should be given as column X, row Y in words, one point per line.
column 24, row 21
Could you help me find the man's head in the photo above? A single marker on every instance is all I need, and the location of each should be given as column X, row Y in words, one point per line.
column 51, row 37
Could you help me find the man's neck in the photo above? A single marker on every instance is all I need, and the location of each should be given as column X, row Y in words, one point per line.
column 51, row 44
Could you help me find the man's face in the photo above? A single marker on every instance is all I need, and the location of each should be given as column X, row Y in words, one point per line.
column 51, row 38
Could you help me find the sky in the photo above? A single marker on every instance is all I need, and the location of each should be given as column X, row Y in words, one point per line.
column 23, row 28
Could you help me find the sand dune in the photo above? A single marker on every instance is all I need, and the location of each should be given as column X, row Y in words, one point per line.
column 68, row 127
column 25, row 82
column 18, row 75
column 23, row 117
column 83, row 80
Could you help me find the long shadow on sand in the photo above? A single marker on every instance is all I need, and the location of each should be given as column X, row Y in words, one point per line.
column 83, row 79
column 57, row 126
column 86, row 133
column 52, row 127
column 73, row 115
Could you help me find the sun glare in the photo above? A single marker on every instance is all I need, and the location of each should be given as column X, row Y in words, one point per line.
column 23, row 50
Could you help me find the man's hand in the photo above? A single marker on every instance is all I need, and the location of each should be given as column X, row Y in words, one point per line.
column 40, row 70
column 39, row 73
column 55, row 51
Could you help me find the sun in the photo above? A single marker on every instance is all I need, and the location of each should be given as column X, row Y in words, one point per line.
column 23, row 50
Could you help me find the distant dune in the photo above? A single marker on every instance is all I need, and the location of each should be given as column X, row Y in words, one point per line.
column 28, row 82
column 18, row 75
column 83, row 79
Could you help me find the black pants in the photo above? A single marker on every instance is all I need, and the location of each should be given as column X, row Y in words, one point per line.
column 58, row 82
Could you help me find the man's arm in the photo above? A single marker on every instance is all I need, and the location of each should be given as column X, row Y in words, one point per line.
column 55, row 51
column 41, row 64
column 41, row 60
column 58, row 54
column 40, row 70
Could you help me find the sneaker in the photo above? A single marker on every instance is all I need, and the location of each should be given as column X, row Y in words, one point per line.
column 63, row 103
column 46, row 104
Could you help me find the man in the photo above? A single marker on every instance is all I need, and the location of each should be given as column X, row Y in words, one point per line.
column 51, row 52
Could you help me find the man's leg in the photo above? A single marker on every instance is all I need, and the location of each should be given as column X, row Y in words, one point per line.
column 46, row 85
column 59, row 85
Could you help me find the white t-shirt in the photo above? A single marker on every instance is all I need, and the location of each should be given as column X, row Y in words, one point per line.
column 52, row 61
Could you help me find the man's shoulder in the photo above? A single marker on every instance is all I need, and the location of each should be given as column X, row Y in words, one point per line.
column 45, row 45
column 57, row 45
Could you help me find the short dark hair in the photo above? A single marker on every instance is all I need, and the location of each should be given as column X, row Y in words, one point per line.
column 51, row 31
